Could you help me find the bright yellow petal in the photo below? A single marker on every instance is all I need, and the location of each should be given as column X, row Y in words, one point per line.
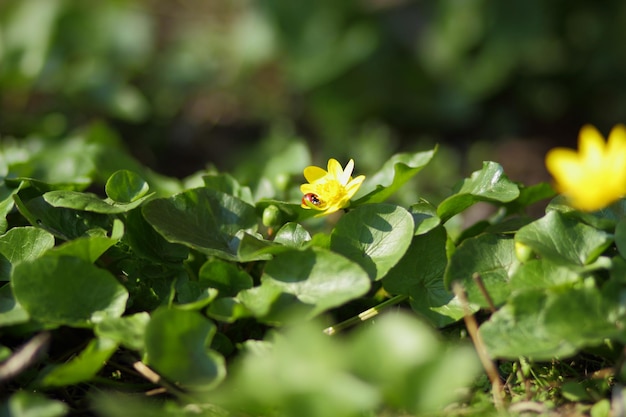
column 334, row 169
column 617, row 140
column 347, row 172
column 591, row 145
column 313, row 173
column 564, row 165
column 354, row 185
column 308, row 188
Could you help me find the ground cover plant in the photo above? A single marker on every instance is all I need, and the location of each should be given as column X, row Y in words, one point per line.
column 307, row 291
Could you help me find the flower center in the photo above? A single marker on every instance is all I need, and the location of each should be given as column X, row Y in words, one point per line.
column 331, row 192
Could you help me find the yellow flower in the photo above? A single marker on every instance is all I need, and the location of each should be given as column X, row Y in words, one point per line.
column 329, row 191
column 595, row 176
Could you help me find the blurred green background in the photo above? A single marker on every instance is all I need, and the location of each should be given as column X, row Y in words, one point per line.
column 191, row 83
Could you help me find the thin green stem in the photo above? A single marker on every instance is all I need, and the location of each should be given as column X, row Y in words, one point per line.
column 366, row 315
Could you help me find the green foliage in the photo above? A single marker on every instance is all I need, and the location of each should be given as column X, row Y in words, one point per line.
column 216, row 292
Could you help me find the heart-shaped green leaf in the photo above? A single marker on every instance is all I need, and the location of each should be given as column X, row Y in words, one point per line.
column 489, row 257
column 424, row 216
column 90, row 202
column 69, row 291
column 317, row 277
column 564, row 240
column 419, row 274
column 63, row 222
column 23, row 244
column 203, row 219
column 125, row 186
column 374, row 236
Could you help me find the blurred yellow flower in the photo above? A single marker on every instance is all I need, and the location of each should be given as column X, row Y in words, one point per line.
column 595, row 176
column 329, row 191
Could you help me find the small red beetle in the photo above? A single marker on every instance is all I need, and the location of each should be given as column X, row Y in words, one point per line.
column 311, row 198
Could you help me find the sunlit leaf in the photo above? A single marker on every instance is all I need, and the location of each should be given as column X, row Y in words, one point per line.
column 374, row 236
column 419, row 274
column 125, row 186
column 394, row 174
column 90, row 202
column 424, row 216
column 24, row 244
column 63, row 222
column 317, row 277
column 489, row 258
column 203, row 219
column 489, row 184
column 564, row 240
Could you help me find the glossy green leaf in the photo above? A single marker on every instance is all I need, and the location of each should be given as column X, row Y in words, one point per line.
column 203, row 219
column 424, row 216
column 70, row 291
column 489, row 184
column 374, row 236
column 564, row 240
column 88, row 248
column 125, row 187
column 224, row 276
column 30, row 404
column 317, row 277
column 394, row 174
column 293, row 235
column 62, row 222
column 127, row 331
column 90, row 202
column 488, row 256
column 419, row 274
column 24, row 244
column 83, row 367
column 177, row 346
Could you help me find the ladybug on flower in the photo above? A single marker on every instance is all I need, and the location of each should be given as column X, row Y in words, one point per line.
column 329, row 190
